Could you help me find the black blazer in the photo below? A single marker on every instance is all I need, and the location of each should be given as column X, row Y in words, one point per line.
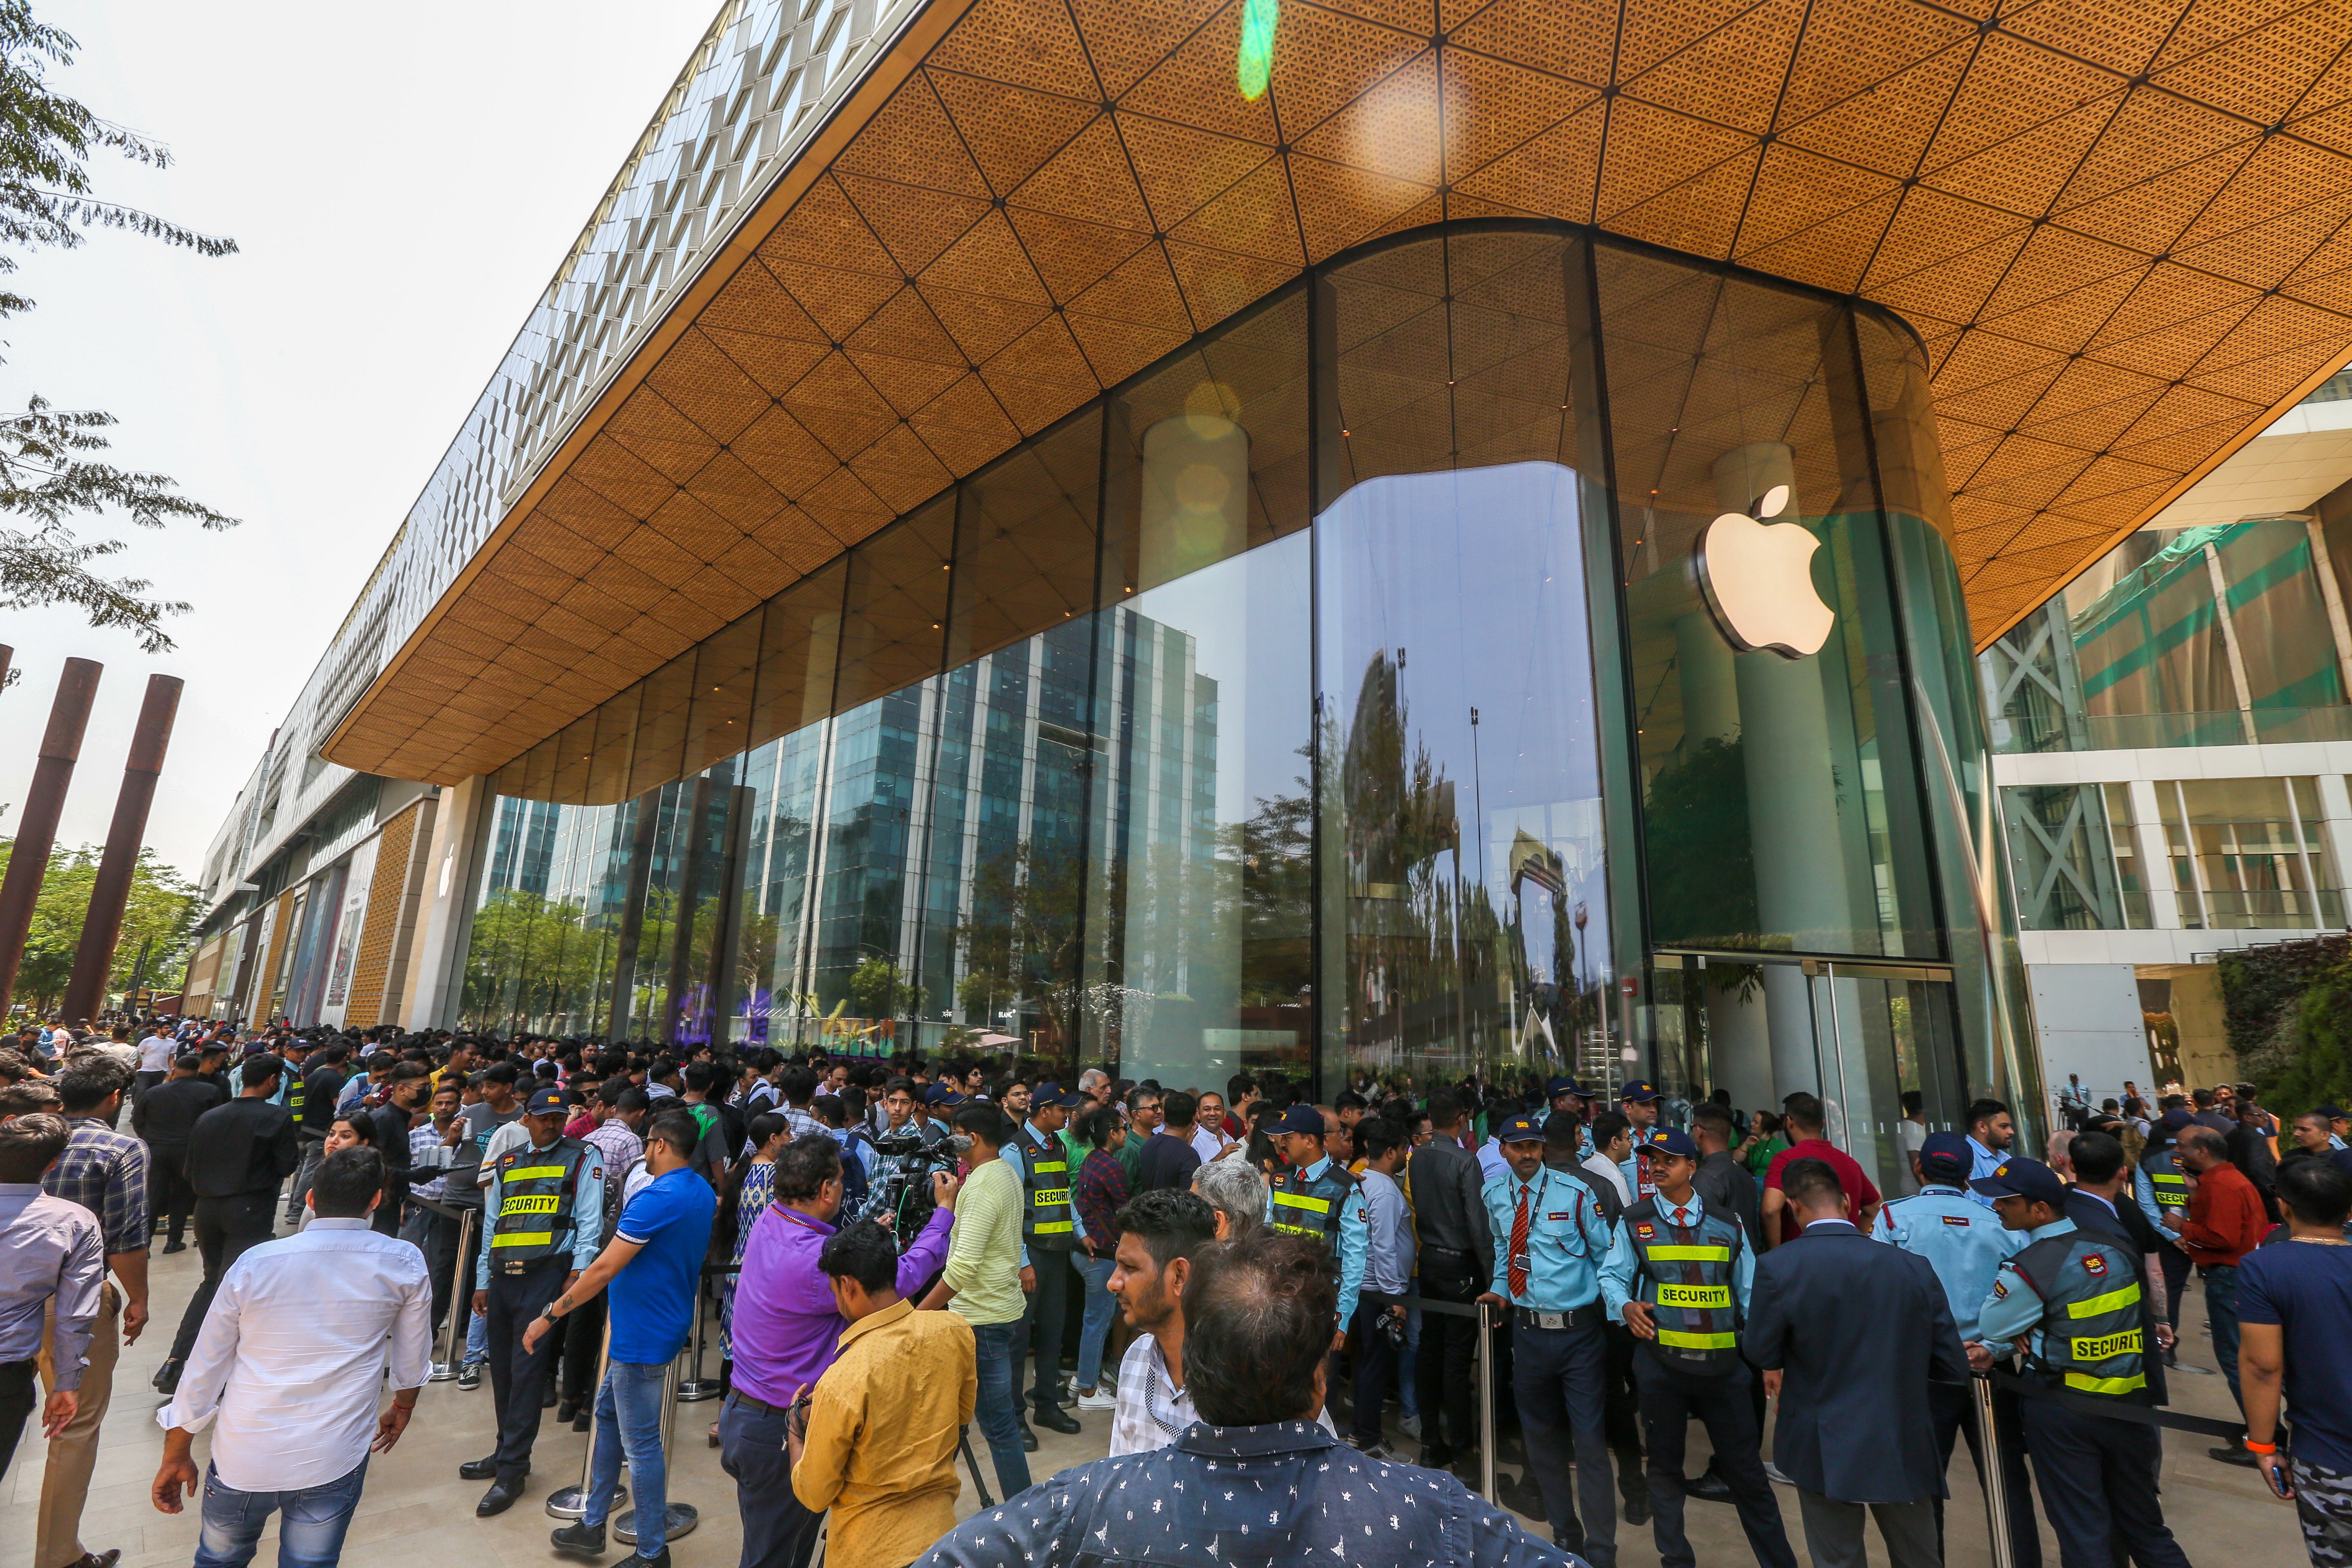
column 1858, row 1330
column 1449, row 1214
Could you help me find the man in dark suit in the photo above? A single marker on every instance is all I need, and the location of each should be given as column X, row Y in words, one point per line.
column 1454, row 1251
column 1849, row 1334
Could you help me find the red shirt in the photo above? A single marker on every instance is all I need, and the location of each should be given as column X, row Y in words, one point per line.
column 1859, row 1192
column 2226, row 1220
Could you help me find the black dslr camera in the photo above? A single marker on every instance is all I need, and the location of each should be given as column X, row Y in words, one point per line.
column 902, row 1182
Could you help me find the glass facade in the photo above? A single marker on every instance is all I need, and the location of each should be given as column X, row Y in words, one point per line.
column 1359, row 690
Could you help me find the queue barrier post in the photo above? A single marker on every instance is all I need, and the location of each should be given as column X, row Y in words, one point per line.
column 571, row 1502
column 1485, row 1404
column 1996, row 1488
column 696, row 1389
column 682, row 1516
column 445, row 1359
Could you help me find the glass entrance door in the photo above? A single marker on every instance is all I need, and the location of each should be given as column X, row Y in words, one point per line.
column 1886, row 1048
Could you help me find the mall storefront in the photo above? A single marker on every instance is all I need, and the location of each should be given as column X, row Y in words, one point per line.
column 1413, row 675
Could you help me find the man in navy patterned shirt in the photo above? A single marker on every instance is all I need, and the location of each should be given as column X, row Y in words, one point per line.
column 1255, row 1480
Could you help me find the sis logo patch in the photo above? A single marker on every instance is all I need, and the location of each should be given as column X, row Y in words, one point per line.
column 2095, row 1265
column 1646, row 1230
column 1959, row 1219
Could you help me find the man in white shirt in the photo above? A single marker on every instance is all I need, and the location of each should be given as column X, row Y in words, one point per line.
column 285, row 1370
column 1612, row 1141
column 1208, row 1138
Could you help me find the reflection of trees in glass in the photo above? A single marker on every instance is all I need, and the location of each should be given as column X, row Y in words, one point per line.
column 1701, row 863
column 880, row 991
column 534, row 961
column 1021, row 940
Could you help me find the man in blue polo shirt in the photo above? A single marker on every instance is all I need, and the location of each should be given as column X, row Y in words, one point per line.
column 652, row 1264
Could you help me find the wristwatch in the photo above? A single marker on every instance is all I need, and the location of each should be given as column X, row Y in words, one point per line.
column 550, row 1313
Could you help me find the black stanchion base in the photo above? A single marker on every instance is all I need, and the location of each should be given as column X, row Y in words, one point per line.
column 683, row 1517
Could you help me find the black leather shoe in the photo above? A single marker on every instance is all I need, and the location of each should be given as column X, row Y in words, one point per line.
column 1707, row 1487
column 1637, row 1507
column 659, row 1561
column 1053, row 1418
column 500, row 1497
column 1028, row 1439
column 586, row 1539
column 1436, row 1456
column 580, row 1421
column 2232, row 1456
column 167, row 1378
column 482, row 1469
column 172, row 1246
column 565, row 1409
column 547, row 1397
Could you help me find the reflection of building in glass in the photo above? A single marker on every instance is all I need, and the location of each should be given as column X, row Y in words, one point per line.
column 2174, row 734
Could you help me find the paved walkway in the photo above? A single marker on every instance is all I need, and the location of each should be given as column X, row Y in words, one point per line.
column 416, row 1514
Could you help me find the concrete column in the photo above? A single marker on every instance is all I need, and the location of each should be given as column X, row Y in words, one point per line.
column 2336, row 829
column 110, row 892
column 2155, row 856
column 436, row 970
column 36, row 825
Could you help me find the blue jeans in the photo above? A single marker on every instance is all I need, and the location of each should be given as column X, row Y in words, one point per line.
column 1408, row 1398
column 994, row 1406
column 478, row 1329
column 1095, row 1328
column 629, row 1419
column 2221, row 1314
column 310, row 1529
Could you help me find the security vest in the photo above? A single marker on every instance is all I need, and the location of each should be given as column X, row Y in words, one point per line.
column 1046, row 1214
column 2094, row 1314
column 1302, row 1207
column 539, row 1194
column 1683, row 1275
column 2162, row 1163
column 294, row 1095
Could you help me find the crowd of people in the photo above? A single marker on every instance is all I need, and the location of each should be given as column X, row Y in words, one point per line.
column 1275, row 1308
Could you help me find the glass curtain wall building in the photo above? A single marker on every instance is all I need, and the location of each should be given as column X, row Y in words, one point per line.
column 1416, row 674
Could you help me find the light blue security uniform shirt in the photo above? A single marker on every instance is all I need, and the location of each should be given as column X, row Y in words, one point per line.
column 1987, row 1162
column 1618, row 1269
column 1355, row 1236
column 2014, row 1307
column 2144, row 1194
column 1567, row 1241
column 587, row 1215
column 1964, row 1245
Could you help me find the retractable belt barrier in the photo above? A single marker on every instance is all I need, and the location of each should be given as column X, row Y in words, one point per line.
column 2116, row 1410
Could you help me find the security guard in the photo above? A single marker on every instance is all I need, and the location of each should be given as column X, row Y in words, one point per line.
column 1567, row 1096
column 1550, row 1242
column 1678, row 1276
column 2162, row 1185
column 2072, row 1295
column 536, row 1196
column 1315, row 1196
column 1966, row 1247
column 1049, row 1235
column 1639, row 1101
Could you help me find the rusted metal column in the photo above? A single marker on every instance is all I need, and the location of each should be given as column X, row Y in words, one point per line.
column 110, row 894
column 37, row 829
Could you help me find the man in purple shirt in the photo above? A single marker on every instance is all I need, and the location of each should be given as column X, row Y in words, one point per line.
column 788, row 1331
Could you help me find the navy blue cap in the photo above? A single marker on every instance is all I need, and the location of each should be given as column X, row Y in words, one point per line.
column 2332, row 1113
column 2023, row 1178
column 1303, row 1119
column 1521, row 1129
column 1670, row 1140
column 1639, row 1093
column 1560, row 1086
column 941, row 1094
column 2175, row 1118
column 1051, row 1097
column 543, row 1100
column 1947, row 1157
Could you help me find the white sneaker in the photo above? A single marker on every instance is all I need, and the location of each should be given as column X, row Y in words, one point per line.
column 1773, row 1473
column 1098, row 1400
column 1409, row 1425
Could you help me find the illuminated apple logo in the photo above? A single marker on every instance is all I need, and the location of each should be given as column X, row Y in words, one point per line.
column 1758, row 581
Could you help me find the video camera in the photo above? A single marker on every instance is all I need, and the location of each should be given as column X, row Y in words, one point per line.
column 902, row 1185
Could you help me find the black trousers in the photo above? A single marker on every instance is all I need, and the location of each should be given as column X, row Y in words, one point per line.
column 1670, row 1399
column 168, row 1192
column 779, row 1530
column 583, row 1347
column 1376, row 1363
column 1046, row 1320
column 452, row 1275
column 19, row 1397
column 2098, row 1487
column 2175, row 1264
column 226, row 1229
column 1557, row 1378
column 517, row 1376
column 1444, row 1370
column 1622, row 1408
column 1952, row 1409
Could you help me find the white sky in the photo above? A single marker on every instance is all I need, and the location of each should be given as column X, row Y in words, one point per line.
column 402, row 183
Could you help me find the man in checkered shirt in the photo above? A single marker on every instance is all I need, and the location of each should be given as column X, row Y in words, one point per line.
column 106, row 1173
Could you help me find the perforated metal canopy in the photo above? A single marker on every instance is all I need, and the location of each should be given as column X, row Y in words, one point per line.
column 2120, row 226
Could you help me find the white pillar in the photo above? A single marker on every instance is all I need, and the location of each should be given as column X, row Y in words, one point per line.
column 2335, row 828
column 437, row 969
column 2155, row 856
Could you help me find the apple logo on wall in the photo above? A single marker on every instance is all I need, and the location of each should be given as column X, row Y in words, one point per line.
column 1757, row 579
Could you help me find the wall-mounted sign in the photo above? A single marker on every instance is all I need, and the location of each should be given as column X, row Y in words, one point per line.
column 1758, row 578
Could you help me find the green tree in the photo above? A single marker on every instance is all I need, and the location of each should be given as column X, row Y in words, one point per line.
column 881, row 992
column 47, row 476
column 159, row 917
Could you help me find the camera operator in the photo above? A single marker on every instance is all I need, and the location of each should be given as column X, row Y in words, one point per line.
column 787, row 1331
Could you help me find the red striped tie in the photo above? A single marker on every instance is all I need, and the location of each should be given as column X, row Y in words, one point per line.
column 1518, row 1269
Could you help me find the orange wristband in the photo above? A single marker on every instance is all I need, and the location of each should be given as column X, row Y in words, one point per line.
column 2255, row 1447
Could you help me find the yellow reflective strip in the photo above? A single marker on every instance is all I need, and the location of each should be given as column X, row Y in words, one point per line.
column 522, row 1238
column 532, row 1173
column 2113, row 1301
column 2105, row 1384
column 1698, row 1297
column 1301, row 1201
column 1050, row 1165
column 1691, row 1254
column 1293, row 1229
column 1699, row 1341
column 1051, row 1230
column 2108, row 1346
